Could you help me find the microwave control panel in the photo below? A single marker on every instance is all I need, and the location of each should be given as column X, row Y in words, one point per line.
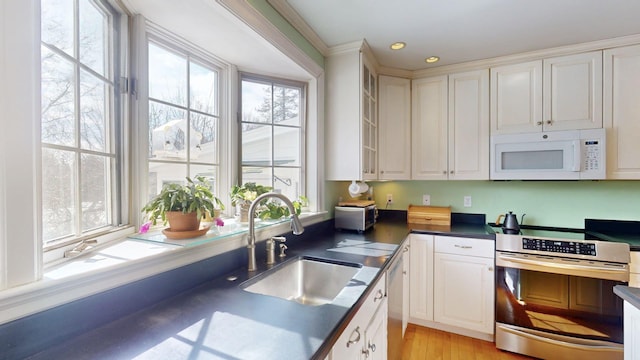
column 592, row 155
column 559, row 246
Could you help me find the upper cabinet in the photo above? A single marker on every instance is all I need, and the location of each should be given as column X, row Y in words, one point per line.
column 561, row 93
column 352, row 114
column 450, row 127
column 622, row 111
column 394, row 151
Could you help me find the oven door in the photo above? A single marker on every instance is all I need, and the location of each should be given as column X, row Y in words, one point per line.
column 548, row 308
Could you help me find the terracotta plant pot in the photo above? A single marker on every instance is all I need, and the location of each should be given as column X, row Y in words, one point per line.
column 179, row 221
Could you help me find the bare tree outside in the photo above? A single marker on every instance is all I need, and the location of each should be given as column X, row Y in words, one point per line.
column 76, row 121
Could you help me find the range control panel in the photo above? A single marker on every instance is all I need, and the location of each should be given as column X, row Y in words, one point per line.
column 559, row 246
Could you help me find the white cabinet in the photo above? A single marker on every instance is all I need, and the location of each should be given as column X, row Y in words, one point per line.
column 352, row 115
column 621, row 111
column 561, row 93
column 572, row 93
column 421, row 278
column 406, row 261
column 429, row 139
column 516, row 98
column 631, row 332
column 394, row 150
column 464, row 283
column 450, row 127
column 365, row 337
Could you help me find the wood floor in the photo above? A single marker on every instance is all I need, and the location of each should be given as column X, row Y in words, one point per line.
column 424, row 343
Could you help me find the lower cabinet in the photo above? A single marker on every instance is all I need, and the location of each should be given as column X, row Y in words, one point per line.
column 631, row 332
column 452, row 284
column 366, row 335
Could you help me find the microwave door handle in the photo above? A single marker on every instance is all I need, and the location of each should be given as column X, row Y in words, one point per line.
column 577, row 155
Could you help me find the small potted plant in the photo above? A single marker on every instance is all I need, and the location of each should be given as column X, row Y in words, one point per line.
column 183, row 206
column 242, row 196
column 275, row 209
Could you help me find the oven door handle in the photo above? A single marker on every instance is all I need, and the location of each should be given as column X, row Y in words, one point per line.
column 621, row 274
column 586, row 345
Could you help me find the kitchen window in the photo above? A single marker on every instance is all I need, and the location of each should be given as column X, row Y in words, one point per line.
column 183, row 117
column 272, row 133
column 81, row 120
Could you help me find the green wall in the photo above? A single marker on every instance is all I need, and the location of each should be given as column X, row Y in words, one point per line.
column 547, row 203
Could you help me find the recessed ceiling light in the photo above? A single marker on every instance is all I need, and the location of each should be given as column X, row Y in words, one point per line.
column 397, row 45
column 431, row 59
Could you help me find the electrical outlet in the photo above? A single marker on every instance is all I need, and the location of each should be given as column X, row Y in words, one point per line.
column 467, row 201
column 389, row 198
column 426, row 199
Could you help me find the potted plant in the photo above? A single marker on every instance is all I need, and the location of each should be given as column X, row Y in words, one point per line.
column 242, row 196
column 275, row 209
column 183, row 206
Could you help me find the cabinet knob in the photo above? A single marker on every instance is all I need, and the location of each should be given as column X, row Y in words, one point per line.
column 444, row 172
column 451, row 172
column 372, row 347
column 490, row 268
column 357, row 338
column 406, row 248
column 539, row 123
column 549, row 122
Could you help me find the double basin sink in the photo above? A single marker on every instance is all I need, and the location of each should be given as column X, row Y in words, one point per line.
column 306, row 280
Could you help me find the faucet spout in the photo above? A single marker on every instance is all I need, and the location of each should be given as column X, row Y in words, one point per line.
column 296, row 224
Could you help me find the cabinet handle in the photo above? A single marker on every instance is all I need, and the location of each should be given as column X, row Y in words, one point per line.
column 379, row 295
column 539, row 123
column 355, row 331
column 366, row 353
column 444, row 172
column 490, row 268
column 372, row 347
column 406, row 248
column 451, row 172
column 381, row 171
column 549, row 122
column 463, row 246
column 404, row 272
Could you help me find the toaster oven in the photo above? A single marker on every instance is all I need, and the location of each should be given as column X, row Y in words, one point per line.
column 359, row 218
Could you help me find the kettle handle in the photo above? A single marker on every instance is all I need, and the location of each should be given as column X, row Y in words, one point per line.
column 522, row 219
column 499, row 218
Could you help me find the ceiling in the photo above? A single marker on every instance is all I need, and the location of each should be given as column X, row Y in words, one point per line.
column 461, row 30
column 213, row 28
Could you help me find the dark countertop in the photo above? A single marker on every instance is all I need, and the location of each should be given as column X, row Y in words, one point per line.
column 628, row 294
column 219, row 320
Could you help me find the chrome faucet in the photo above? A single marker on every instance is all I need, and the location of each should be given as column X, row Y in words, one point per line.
column 296, row 225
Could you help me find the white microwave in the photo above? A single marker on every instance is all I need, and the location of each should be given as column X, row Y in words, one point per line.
column 555, row 155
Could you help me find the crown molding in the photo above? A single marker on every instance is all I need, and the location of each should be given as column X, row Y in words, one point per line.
column 530, row 56
column 292, row 16
column 256, row 21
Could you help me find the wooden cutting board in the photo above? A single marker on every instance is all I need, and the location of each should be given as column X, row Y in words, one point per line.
column 429, row 215
column 356, row 203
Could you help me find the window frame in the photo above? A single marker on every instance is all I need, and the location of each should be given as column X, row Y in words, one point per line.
column 275, row 81
column 116, row 72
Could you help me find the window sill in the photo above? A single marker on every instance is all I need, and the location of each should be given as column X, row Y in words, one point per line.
column 126, row 261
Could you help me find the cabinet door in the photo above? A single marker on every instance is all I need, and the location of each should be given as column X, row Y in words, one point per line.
column 421, row 277
column 369, row 111
column 376, row 335
column 394, row 152
column 516, row 98
column 429, row 128
column 631, row 332
column 621, row 111
column 573, row 92
column 464, row 292
column 469, row 126
column 406, row 259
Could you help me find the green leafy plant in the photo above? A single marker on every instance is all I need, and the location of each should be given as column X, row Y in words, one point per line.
column 276, row 209
column 195, row 196
column 247, row 192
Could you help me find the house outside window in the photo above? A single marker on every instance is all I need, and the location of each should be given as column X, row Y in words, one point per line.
column 184, row 117
column 272, row 133
column 80, row 119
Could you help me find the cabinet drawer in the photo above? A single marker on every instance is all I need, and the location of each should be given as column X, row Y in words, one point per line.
column 465, row 246
column 375, row 298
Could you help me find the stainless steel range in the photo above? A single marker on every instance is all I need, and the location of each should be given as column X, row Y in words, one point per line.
column 554, row 295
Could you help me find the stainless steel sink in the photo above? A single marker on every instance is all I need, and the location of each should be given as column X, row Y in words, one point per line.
column 306, row 280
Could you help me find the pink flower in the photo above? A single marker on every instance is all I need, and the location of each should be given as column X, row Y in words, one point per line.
column 219, row 222
column 145, row 227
